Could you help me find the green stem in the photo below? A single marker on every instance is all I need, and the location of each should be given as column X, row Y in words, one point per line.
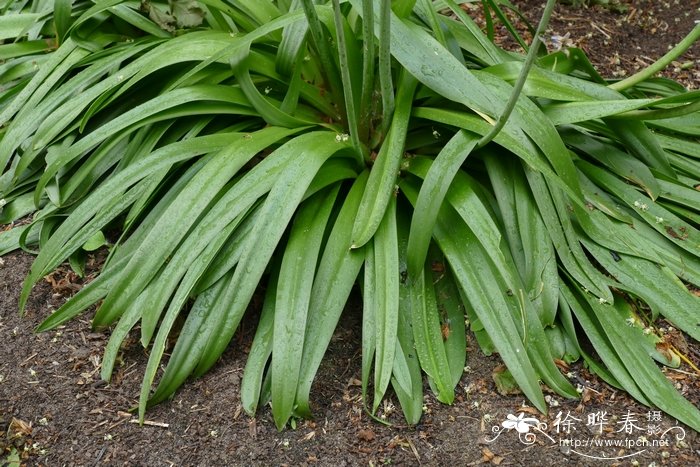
column 385, row 82
column 368, row 67
column 328, row 68
column 347, row 82
column 660, row 64
column 517, row 89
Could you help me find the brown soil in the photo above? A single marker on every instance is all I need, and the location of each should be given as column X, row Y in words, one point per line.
column 620, row 44
column 54, row 410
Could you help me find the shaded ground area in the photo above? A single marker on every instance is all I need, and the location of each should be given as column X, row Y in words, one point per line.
column 621, row 43
column 54, row 410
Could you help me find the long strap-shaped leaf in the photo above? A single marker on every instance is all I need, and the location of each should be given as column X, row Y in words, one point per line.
column 45, row 106
column 432, row 194
column 189, row 345
column 189, row 263
column 308, row 153
column 42, row 81
column 551, row 204
column 55, row 252
column 369, row 337
column 427, row 335
column 528, row 119
column 452, row 316
column 530, row 245
column 433, row 65
column 384, row 301
column 75, row 231
column 10, row 239
column 350, row 86
column 642, row 143
column 382, row 178
column 368, row 69
column 178, row 301
column 684, row 265
column 656, row 386
column 34, row 93
column 555, row 85
column 475, row 277
column 662, row 220
column 407, row 379
column 133, row 237
column 195, row 46
column 260, row 351
column 510, row 138
column 470, row 207
column 336, row 275
column 208, row 337
column 292, row 301
column 657, row 286
column 131, row 119
column 269, row 112
column 463, row 198
column 612, row 362
column 439, row 70
column 173, row 226
column 229, row 255
column 328, row 65
column 620, row 162
column 386, row 83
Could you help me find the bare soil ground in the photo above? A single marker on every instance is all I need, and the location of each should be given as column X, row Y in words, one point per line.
column 54, row 409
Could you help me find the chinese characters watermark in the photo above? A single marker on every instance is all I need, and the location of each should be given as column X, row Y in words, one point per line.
column 582, row 434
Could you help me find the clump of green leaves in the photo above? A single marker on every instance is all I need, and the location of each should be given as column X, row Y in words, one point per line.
column 313, row 146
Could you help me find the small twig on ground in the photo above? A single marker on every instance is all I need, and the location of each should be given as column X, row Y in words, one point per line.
column 414, row 450
column 151, row 423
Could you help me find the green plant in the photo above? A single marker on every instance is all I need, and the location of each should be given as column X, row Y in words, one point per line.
column 310, row 146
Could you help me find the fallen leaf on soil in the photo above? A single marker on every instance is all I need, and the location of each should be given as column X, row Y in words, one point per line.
column 366, row 435
column 586, row 396
column 488, row 456
column 64, row 282
column 666, row 350
column 530, row 410
column 561, row 364
column 413, row 449
column 397, row 441
column 19, row 428
column 354, row 382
